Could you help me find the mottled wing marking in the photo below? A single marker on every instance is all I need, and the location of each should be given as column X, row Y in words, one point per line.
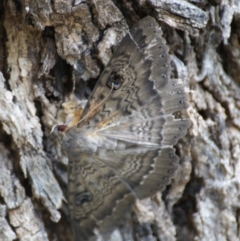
column 136, row 121
column 143, row 61
column 93, row 190
column 145, row 170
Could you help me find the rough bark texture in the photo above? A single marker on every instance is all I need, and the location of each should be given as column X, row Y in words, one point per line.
column 49, row 48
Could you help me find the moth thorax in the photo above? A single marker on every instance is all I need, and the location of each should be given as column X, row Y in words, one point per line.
column 78, row 140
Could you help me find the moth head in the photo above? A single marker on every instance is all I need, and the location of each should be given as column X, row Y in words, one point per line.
column 115, row 81
column 60, row 128
column 59, row 131
column 69, row 115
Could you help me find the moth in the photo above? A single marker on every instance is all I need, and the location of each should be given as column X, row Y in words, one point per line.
column 120, row 146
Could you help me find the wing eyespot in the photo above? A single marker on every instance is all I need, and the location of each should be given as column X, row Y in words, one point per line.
column 115, row 81
column 102, row 96
column 83, row 197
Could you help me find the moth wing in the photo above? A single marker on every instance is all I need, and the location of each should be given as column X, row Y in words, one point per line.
column 142, row 63
column 103, row 188
column 145, row 170
column 95, row 193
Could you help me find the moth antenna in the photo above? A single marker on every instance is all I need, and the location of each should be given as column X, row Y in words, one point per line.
column 97, row 105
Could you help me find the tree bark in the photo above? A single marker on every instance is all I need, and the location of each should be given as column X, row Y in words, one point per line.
column 49, row 49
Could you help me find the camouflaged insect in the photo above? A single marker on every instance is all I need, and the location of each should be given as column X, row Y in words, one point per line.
column 120, row 147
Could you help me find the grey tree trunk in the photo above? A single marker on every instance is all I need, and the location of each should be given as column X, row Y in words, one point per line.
column 50, row 48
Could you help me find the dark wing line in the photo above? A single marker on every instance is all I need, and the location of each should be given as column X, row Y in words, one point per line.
column 145, row 170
